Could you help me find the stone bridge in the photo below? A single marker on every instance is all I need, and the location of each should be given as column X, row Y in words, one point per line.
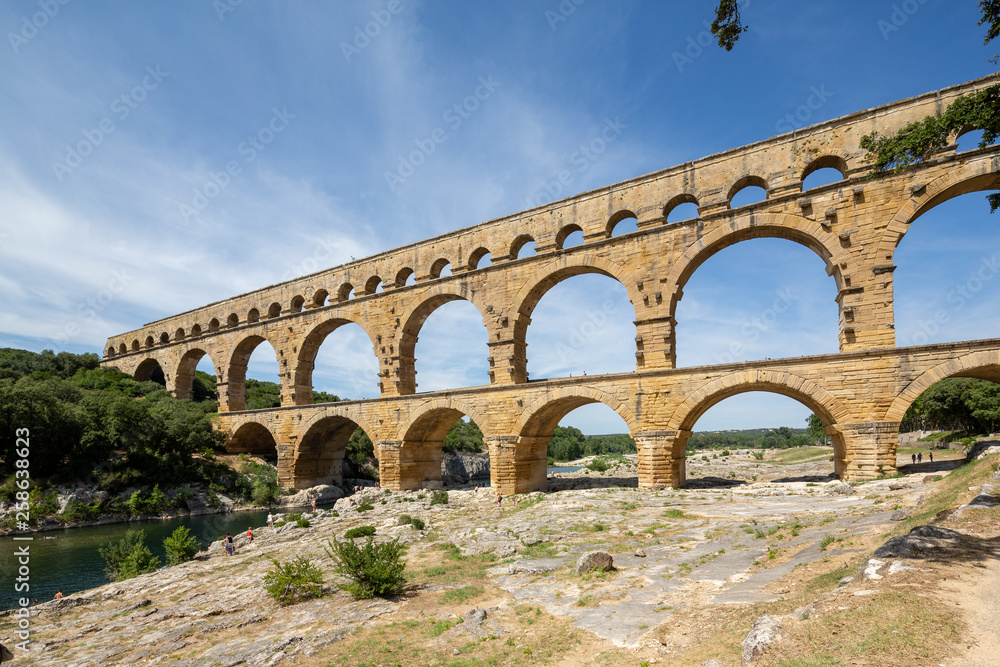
column 854, row 225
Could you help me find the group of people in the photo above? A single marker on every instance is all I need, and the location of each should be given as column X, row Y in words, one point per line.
column 230, row 546
column 919, row 457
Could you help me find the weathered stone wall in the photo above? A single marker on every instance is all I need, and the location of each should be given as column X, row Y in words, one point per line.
column 854, row 225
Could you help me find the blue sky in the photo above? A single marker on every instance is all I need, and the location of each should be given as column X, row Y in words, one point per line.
column 231, row 146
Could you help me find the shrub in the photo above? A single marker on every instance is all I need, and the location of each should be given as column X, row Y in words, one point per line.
column 294, row 581
column 404, row 519
column 182, row 497
column 280, row 523
column 598, row 465
column 128, row 557
column 334, row 513
column 78, row 511
column 364, row 507
column 294, row 516
column 825, row 542
column 373, row 569
column 302, row 523
column 360, row 531
column 439, row 497
column 758, row 455
column 418, row 524
column 180, row 546
column 726, row 452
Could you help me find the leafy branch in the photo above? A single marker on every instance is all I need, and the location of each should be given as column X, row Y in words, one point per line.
column 919, row 140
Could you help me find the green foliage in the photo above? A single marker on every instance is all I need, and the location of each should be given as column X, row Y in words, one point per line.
column 464, row 436
column 128, row 557
column 180, row 546
column 294, row 581
column 782, row 437
column 373, row 569
column 920, row 139
column 598, row 465
column 569, row 443
column 302, row 523
column 815, row 429
column 956, row 404
column 155, row 503
column 261, row 483
column 439, row 497
column 359, row 531
column 406, row 519
column 365, row 507
column 727, row 26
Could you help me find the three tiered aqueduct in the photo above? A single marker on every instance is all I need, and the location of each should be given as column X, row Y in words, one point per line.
column 854, row 225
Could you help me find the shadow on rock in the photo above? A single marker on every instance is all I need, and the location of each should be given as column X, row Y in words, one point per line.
column 713, row 483
column 939, row 543
column 568, row 483
column 807, row 478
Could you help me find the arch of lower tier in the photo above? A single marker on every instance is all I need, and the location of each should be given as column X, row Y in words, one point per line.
column 983, row 365
column 824, row 404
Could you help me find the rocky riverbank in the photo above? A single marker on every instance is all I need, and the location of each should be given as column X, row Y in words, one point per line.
column 693, row 570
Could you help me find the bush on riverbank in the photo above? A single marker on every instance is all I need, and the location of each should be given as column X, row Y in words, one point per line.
column 180, row 546
column 128, row 557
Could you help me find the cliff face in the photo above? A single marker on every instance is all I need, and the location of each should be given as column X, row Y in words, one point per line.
column 461, row 468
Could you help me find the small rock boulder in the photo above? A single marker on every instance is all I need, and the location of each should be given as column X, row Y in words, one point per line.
column 640, row 553
column 765, row 631
column 475, row 617
column 898, row 515
column 842, row 489
column 594, row 560
column 921, row 542
column 712, row 663
column 870, row 569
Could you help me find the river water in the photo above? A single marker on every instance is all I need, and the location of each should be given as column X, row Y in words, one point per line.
column 69, row 560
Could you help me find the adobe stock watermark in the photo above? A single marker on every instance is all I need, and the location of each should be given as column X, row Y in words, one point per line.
column 323, row 255
column 581, row 160
column 695, row 45
column 89, row 310
column 22, row 507
column 122, row 107
column 223, row 7
column 804, row 112
column 752, row 328
column 454, row 116
column 249, row 149
column 363, row 35
column 562, row 12
column 958, row 296
column 31, row 26
column 900, row 14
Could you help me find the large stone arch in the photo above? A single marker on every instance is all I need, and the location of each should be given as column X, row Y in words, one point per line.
column 305, row 359
column 414, row 460
column 319, row 454
column 251, row 436
column 145, row 370
column 357, row 412
column 184, row 376
column 522, row 467
column 552, row 273
column 236, row 373
column 413, row 319
column 976, row 175
column 984, row 365
column 749, row 226
column 826, row 406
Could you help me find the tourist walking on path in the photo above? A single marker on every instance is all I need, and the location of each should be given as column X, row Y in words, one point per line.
column 228, row 544
column 499, row 502
column 920, row 457
column 930, row 455
column 913, row 457
column 249, row 534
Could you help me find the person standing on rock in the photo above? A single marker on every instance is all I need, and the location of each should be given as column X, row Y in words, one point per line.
column 314, row 504
column 249, row 534
column 930, row 455
column 920, row 457
column 228, row 544
column 270, row 520
column 913, row 457
column 499, row 502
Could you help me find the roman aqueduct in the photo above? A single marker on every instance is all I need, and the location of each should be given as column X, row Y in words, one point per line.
column 854, row 225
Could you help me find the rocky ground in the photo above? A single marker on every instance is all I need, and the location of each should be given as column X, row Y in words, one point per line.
column 788, row 555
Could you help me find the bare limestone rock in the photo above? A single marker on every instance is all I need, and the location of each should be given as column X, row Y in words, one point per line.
column 594, row 560
column 712, row 663
column 842, row 489
column 763, row 633
column 921, row 542
column 898, row 515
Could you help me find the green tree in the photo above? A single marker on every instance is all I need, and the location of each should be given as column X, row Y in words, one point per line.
column 294, row 581
column 375, row 569
column 180, row 546
column 464, row 436
column 815, row 429
column 128, row 557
